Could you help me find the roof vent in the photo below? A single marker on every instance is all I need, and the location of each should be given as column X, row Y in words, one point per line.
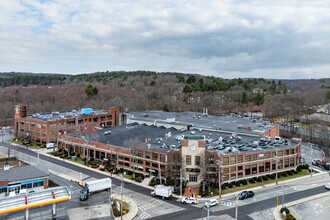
column 6, row 166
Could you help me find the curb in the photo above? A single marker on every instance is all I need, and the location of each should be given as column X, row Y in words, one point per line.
column 133, row 207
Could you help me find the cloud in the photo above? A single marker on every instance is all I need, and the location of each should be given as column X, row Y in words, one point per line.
column 225, row 38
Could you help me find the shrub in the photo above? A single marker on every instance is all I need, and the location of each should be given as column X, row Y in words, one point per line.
column 252, row 180
column 299, row 168
column 223, row 187
column 91, row 159
column 290, row 172
column 306, row 166
column 284, row 174
column 138, row 179
column 42, row 146
column 102, row 169
column 244, row 182
column 259, row 179
column 78, row 155
column 265, row 178
column 230, row 185
column 238, row 183
column 226, row 184
column 152, row 182
column 273, row 176
column 278, row 175
column 295, row 172
column 95, row 166
column 290, row 217
column 108, row 168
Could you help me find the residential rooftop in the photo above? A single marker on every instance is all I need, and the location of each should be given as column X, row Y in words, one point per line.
column 228, row 123
column 163, row 139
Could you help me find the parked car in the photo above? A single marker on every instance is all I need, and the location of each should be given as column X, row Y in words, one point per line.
column 316, row 162
column 327, row 186
column 245, row 194
column 189, row 200
column 212, row 202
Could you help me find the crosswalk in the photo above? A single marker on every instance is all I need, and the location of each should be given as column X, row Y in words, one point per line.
column 144, row 215
column 150, row 205
column 226, row 203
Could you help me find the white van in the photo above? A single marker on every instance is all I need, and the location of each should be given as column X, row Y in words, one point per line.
column 50, row 145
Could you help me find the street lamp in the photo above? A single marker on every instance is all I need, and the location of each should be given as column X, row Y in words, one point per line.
column 86, row 149
column 219, row 177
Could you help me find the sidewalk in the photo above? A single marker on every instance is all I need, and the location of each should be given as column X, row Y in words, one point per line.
column 133, row 207
column 276, row 211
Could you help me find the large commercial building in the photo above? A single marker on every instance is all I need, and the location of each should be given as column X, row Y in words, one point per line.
column 198, row 144
column 45, row 128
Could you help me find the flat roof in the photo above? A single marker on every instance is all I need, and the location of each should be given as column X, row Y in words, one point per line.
column 15, row 174
column 230, row 123
column 63, row 115
column 163, row 139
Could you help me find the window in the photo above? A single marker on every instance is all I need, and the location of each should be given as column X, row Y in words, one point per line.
column 147, row 163
column 291, row 162
column 211, row 160
column 102, row 155
column 32, row 124
column 192, row 178
column 273, row 154
column 154, row 156
column 280, row 164
column 27, row 123
column 102, row 118
column 147, row 153
column 225, row 170
column 22, row 122
column 233, row 169
column 197, row 160
column 261, row 167
column 188, row 160
column 225, row 160
column 38, row 184
column 43, row 126
column 225, row 177
column 292, row 151
column 267, row 166
column 240, row 168
column 232, row 160
column 254, row 157
column 247, row 158
column 286, row 152
column 109, row 117
column 286, row 163
column 240, row 175
column 280, row 153
column 273, row 165
column 240, row 158
column 43, row 134
column 155, row 165
column 267, row 155
column 38, row 125
column 247, row 170
column 22, row 129
column 261, row 156
column 254, row 168
column 97, row 154
column 96, row 119
column 233, row 176
column 38, row 133
column 162, row 158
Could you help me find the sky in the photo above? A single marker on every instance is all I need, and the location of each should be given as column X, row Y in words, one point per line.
column 270, row 39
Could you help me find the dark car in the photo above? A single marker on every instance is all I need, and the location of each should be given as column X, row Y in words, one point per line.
column 245, row 194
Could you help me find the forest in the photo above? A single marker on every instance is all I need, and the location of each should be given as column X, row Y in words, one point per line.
column 147, row 90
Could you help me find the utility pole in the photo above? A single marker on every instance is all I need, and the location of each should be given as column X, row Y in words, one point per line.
column 121, row 197
column 160, row 174
column 208, row 211
column 38, row 158
column 311, row 160
column 283, row 194
column 219, row 177
column 180, row 181
column 236, row 207
column 276, row 159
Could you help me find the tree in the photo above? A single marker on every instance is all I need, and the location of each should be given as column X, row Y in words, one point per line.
column 328, row 94
column 244, row 98
column 187, row 89
column 152, row 83
column 166, row 108
column 191, row 79
column 133, row 145
column 180, row 78
column 91, row 90
column 259, row 98
column 272, row 88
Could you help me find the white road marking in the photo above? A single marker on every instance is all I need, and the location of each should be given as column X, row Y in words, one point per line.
column 144, row 215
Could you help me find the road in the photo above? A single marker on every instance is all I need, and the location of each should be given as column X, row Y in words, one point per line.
column 172, row 209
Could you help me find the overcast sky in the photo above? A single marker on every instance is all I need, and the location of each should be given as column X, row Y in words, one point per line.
column 270, row 39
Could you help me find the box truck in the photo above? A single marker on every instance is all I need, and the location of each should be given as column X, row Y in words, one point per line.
column 163, row 191
column 93, row 187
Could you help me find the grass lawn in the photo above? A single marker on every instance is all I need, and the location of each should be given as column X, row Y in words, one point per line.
column 32, row 145
column 215, row 191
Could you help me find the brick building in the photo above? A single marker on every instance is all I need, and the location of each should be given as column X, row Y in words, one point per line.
column 160, row 151
column 45, row 128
